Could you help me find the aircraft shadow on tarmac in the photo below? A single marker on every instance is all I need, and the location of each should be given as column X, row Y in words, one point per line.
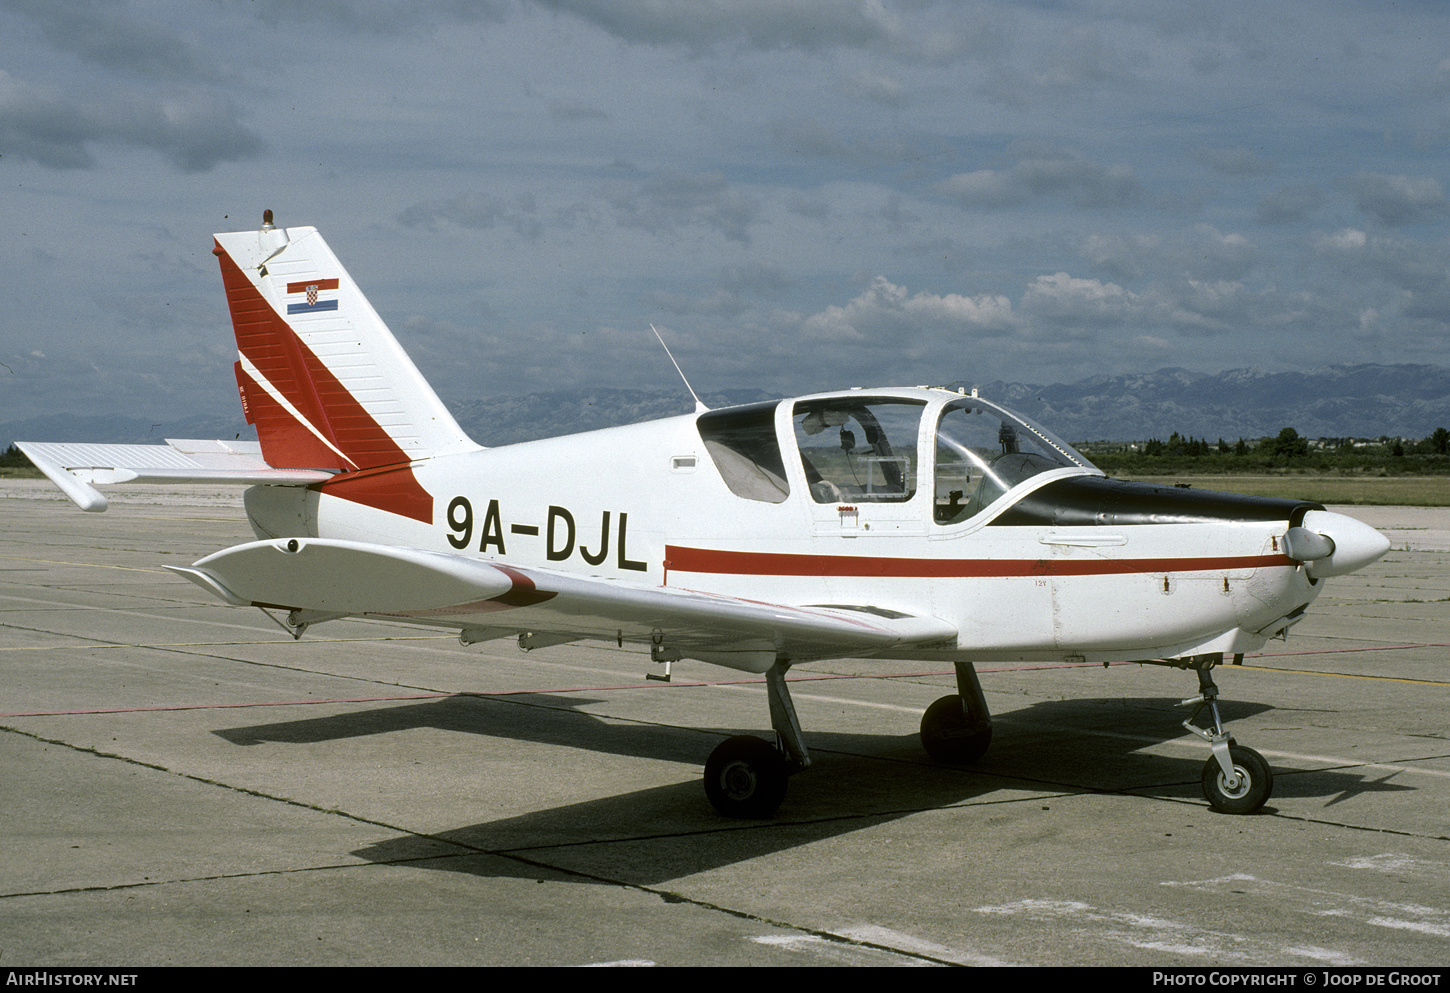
column 858, row 780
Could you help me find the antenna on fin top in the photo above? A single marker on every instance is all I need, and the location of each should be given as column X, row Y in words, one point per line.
column 700, row 408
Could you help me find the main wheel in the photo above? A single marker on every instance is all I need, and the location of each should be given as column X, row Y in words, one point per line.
column 745, row 777
column 947, row 737
column 1255, row 782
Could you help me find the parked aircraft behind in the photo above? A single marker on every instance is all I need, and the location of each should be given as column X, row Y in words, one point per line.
column 917, row 523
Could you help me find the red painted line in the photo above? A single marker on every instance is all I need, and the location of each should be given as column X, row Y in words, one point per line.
column 670, row 685
column 707, row 560
column 541, row 692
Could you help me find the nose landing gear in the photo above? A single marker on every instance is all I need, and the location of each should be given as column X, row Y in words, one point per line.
column 1236, row 780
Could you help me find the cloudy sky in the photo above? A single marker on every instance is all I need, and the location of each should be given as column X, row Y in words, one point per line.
column 800, row 194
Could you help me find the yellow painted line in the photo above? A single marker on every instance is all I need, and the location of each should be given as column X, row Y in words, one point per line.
column 86, row 565
column 1346, row 675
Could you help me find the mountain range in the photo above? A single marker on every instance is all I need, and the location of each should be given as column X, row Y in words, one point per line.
column 1408, row 401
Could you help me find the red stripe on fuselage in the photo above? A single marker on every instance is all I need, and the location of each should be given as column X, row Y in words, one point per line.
column 714, row 561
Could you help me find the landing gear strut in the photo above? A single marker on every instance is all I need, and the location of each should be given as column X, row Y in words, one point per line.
column 1235, row 780
column 747, row 776
column 957, row 729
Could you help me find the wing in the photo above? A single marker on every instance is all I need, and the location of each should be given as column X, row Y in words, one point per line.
column 74, row 467
column 325, row 579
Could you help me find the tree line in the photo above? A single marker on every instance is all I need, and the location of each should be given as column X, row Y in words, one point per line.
column 1287, row 450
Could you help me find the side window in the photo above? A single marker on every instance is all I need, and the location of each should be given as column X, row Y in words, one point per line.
column 981, row 454
column 742, row 443
column 858, row 451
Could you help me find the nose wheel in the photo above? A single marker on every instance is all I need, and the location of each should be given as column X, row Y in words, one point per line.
column 1246, row 790
column 1236, row 780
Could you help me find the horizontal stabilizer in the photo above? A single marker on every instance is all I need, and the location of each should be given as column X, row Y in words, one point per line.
column 545, row 607
column 77, row 467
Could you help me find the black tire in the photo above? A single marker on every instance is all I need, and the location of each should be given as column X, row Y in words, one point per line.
column 745, row 777
column 947, row 737
column 1256, row 782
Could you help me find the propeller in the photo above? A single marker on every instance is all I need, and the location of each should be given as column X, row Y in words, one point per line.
column 1332, row 544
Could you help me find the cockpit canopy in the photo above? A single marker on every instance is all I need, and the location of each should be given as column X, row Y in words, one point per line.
column 860, row 448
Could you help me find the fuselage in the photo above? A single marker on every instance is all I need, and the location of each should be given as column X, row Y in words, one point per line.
column 918, row 501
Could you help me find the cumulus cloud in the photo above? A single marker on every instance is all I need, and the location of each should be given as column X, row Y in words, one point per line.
column 1060, row 297
column 1065, row 307
column 195, row 132
column 1046, row 173
column 1214, row 255
column 1203, row 252
column 1396, row 200
column 1341, row 240
column 888, row 311
column 1416, row 268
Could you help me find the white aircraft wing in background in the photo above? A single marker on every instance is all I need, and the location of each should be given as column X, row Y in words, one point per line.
column 75, row 466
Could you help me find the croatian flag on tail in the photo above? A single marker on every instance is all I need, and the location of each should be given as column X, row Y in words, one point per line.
column 314, row 288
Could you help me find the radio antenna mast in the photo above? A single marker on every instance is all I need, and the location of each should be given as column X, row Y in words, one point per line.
column 700, row 408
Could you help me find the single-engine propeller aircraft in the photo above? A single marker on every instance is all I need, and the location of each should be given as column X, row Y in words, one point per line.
column 920, row 523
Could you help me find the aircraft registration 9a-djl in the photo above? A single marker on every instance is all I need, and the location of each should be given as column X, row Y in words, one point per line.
column 913, row 523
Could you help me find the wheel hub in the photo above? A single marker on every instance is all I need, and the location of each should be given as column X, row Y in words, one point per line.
column 1237, row 787
column 738, row 780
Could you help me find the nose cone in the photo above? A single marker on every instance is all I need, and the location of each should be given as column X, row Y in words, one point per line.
column 1353, row 544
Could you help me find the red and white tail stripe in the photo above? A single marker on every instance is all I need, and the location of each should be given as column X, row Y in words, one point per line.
column 320, row 374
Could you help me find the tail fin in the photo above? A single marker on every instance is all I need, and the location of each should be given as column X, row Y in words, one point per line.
column 319, row 373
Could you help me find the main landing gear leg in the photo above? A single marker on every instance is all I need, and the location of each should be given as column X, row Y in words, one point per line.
column 746, row 776
column 1235, row 780
column 957, row 730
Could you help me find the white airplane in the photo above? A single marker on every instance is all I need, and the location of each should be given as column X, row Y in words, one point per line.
column 920, row 523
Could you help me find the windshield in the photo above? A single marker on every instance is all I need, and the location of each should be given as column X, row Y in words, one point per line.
column 982, row 451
